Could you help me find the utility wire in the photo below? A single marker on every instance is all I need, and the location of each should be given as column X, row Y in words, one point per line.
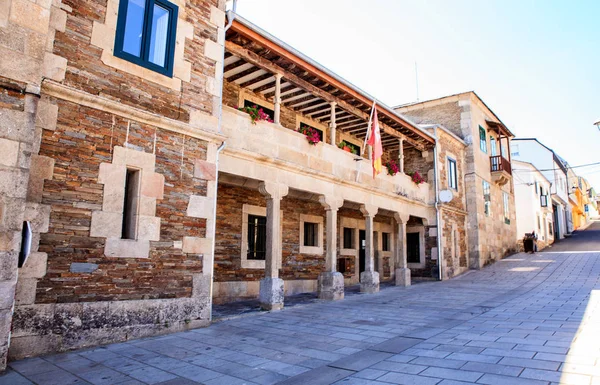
column 556, row 169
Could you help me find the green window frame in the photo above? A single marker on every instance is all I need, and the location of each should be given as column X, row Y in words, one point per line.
column 482, row 139
column 146, row 31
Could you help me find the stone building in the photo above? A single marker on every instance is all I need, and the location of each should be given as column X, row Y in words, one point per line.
column 487, row 175
column 109, row 141
column 149, row 193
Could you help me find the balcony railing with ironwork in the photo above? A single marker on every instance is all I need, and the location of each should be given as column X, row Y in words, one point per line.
column 500, row 163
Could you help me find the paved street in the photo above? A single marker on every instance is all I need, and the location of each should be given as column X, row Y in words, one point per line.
column 529, row 319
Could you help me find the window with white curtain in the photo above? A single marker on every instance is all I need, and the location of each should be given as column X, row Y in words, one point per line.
column 146, row 34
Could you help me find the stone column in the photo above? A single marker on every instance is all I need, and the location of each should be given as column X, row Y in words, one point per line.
column 271, row 287
column 401, row 155
column 369, row 279
column 332, row 125
column 277, row 109
column 402, row 270
column 330, row 284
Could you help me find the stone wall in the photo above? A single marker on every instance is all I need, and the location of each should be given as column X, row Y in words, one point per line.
column 90, row 119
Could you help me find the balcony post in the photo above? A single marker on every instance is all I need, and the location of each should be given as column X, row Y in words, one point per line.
column 401, row 155
column 277, row 109
column 369, row 279
column 330, row 284
column 402, row 271
column 332, row 125
column 271, row 287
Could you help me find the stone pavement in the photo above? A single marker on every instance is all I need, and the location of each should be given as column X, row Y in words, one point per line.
column 529, row 319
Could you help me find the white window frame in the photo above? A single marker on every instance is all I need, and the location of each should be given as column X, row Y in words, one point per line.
column 262, row 211
column 421, row 231
column 312, row 250
column 452, row 180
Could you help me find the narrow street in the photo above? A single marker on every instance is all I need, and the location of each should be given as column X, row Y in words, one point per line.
column 529, row 319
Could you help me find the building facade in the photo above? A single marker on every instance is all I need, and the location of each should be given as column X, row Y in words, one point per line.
column 554, row 169
column 152, row 185
column 491, row 227
column 533, row 204
column 109, row 140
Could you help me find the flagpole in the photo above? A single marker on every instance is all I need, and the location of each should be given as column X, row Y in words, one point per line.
column 369, row 129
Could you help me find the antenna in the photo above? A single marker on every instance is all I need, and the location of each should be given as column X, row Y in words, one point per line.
column 417, row 80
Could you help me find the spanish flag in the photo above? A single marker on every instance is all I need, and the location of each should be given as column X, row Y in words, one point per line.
column 375, row 142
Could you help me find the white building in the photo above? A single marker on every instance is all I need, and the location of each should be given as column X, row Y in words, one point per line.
column 533, row 203
column 552, row 167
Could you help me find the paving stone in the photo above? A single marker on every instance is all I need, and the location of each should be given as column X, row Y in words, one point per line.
column 361, row 360
column 196, row 373
column 151, row 375
column 399, row 367
column 474, row 357
column 503, row 370
column 323, row 375
column 10, row 377
column 494, row 379
column 408, row 379
column 369, row 374
column 57, row 377
column 452, row 374
column 269, row 378
column 103, row 376
column 439, row 362
column 396, row 345
column 534, row 364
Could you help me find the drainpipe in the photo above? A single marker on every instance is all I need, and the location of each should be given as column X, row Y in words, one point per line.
column 230, row 17
column 437, row 204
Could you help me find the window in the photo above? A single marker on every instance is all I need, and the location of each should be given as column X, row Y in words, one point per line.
column 550, row 232
column 482, row 139
column 385, row 241
column 515, row 150
column 269, row 112
column 320, row 132
column 493, row 146
column 506, row 211
column 130, row 204
column 146, row 34
column 311, row 234
column 539, row 223
column 487, row 199
column 452, row 178
column 257, row 237
column 348, row 238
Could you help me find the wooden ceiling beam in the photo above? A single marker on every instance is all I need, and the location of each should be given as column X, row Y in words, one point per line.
column 257, row 60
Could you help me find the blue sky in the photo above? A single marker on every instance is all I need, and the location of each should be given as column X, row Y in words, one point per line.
column 535, row 63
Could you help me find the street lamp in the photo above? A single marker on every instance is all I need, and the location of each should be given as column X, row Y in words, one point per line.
column 597, row 124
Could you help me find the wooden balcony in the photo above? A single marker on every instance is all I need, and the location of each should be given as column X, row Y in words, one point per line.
column 501, row 169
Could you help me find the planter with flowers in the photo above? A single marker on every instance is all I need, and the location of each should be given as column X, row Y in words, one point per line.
column 416, row 177
column 392, row 167
column 312, row 135
column 256, row 114
column 346, row 147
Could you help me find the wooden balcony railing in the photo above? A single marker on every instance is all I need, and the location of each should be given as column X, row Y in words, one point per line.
column 500, row 163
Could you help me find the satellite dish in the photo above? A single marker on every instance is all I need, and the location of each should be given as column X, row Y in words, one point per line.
column 446, row 196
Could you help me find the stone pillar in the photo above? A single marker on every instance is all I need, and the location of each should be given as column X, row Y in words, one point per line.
column 277, row 109
column 330, row 284
column 369, row 279
column 271, row 287
column 332, row 125
column 402, row 270
column 401, row 155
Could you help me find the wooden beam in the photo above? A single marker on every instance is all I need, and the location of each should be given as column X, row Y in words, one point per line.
column 264, row 42
column 257, row 60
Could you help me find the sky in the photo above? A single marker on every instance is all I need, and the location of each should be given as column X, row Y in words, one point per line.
column 536, row 64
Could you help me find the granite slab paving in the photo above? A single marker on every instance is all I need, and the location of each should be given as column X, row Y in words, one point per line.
column 527, row 319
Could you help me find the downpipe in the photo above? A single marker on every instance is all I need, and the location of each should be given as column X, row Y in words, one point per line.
column 437, row 205
column 230, row 16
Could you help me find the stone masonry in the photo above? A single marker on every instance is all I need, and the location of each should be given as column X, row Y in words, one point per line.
column 78, row 130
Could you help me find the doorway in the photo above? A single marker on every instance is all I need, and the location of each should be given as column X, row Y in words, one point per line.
column 413, row 248
column 361, row 249
column 556, row 227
